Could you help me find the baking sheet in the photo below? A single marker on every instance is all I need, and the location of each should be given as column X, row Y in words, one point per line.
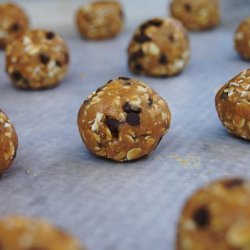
column 120, row 206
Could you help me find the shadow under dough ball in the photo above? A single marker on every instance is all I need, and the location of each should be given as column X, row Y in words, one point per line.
column 8, row 142
column 13, row 22
column 23, row 233
column 216, row 217
column 100, row 19
column 196, row 14
column 242, row 39
column 233, row 105
column 159, row 48
column 123, row 120
column 36, row 60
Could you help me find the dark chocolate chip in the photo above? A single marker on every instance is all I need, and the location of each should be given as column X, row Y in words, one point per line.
column 50, row 35
column 133, row 119
column 142, row 38
column 138, row 67
column 15, row 27
column 230, row 184
column 124, row 78
column 155, row 22
column 187, row 7
column 224, row 95
column 109, row 81
column 126, row 83
column 163, row 59
column 201, row 217
column 16, row 76
column 113, row 126
column 99, row 89
column 171, row 38
column 150, row 102
column 59, row 64
column 128, row 108
column 44, row 58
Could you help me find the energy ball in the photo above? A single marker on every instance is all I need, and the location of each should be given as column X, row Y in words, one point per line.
column 233, row 105
column 217, row 217
column 8, row 142
column 123, row 120
column 159, row 48
column 13, row 22
column 242, row 39
column 21, row 233
column 196, row 14
column 39, row 59
column 100, row 19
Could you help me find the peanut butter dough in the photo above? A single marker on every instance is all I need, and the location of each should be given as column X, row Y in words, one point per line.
column 123, row 120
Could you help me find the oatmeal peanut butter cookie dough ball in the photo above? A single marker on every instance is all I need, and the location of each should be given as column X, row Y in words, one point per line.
column 242, row 38
column 8, row 142
column 100, row 19
column 13, row 22
column 159, row 48
column 217, row 217
column 123, row 120
column 196, row 14
column 233, row 105
column 38, row 59
column 23, row 233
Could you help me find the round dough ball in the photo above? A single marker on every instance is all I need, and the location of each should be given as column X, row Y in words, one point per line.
column 8, row 142
column 100, row 20
column 13, row 22
column 242, row 39
column 196, row 14
column 39, row 59
column 159, row 47
column 217, row 217
column 21, row 233
column 123, row 120
column 233, row 105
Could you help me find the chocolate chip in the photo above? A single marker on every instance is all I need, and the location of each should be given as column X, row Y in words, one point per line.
column 137, row 55
column 126, row 83
column 187, row 7
column 15, row 27
column 113, row 126
column 171, row 38
column 150, row 102
column 58, row 63
column 44, row 58
column 224, row 95
column 16, row 76
column 50, row 35
column 201, row 217
column 99, row 89
column 142, row 38
column 155, row 22
column 163, row 59
column 128, row 108
column 124, row 78
column 25, row 81
column 230, row 184
column 138, row 67
column 109, row 81
column 66, row 58
column 133, row 119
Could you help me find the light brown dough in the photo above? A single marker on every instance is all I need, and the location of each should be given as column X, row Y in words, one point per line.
column 123, row 120
column 196, row 14
column 159, row 48
column 233, row 105
column 216, row 217
column 36, row 60
column 8, row 142
column 100, row 19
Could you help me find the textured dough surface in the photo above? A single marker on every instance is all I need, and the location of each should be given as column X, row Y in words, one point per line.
column 217, row 217
column 38, row 59
column 8, row 142
column 196, row 14
column 233, row 105
column 159, row 47
column 20, row 233
column 100, row 19
column 124, row 120
column 13, row 22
